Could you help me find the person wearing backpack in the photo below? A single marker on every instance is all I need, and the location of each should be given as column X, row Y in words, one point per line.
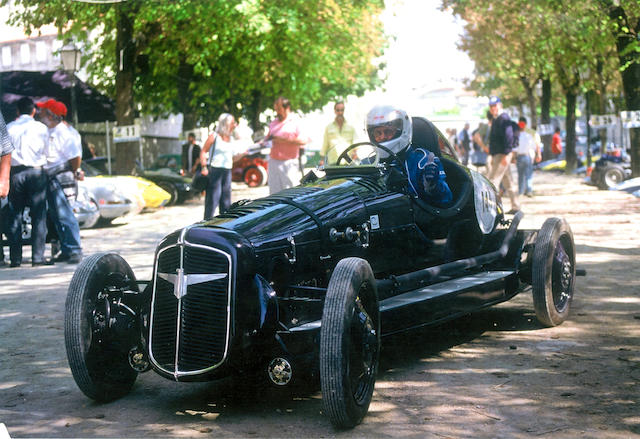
column 503, row 140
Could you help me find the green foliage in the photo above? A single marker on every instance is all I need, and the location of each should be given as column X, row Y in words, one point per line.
column 205, row 57
column 532, row 39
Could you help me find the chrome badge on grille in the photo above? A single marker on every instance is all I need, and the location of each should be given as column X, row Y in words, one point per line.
column 181, row 281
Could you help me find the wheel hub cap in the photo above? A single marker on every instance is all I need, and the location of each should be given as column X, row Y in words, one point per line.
column 280, row 371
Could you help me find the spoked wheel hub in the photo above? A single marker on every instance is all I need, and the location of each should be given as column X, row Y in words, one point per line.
column 562, row 277
column 364, row 349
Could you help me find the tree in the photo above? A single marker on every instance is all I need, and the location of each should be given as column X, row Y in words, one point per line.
column 625, row 26
column 503, row 39
column 202, row 58
column 556, row 41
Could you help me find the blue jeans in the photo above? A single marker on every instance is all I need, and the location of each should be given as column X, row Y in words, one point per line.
column 218, row 191
column 62, row 216
column 525, row 174
column 28, row 188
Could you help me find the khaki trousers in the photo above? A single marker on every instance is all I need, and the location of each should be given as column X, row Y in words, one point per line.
column 500, row 173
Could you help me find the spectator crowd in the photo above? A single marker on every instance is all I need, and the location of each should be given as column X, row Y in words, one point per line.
column 41, row 155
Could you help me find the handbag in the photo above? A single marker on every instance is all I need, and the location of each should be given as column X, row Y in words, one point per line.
column 200, row 182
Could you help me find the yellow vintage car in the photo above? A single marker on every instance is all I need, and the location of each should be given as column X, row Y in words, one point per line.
column 120, row 195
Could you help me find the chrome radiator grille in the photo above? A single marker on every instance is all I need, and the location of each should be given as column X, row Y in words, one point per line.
column 189, row 326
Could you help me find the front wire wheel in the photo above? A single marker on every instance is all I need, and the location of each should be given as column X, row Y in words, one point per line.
column 349, row 343
column 553, row 272
column 99, row 328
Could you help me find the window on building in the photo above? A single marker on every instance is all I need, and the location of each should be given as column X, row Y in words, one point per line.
column 25, row 53
column 6, row 56
column 41, row 51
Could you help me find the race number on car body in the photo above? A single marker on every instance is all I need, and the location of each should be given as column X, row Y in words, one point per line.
column 485, row 202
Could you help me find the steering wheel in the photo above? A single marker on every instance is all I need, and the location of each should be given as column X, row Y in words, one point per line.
column 369, row 159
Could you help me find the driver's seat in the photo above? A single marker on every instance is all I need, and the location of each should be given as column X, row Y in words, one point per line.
column 425, row 135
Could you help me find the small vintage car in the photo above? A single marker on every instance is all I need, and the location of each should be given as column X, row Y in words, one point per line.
column 251, row 167
column 308, row 280
column 611, row 170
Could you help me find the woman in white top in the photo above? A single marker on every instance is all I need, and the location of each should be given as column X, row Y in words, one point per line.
column 218, row 192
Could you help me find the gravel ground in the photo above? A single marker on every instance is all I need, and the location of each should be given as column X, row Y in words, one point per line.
column 496, row 373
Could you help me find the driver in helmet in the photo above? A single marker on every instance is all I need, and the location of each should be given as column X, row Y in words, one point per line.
column 391, row 127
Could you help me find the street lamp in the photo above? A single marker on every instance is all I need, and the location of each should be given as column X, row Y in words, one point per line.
column 70, row 57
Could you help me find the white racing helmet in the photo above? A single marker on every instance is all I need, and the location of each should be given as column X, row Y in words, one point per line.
column 390, row 127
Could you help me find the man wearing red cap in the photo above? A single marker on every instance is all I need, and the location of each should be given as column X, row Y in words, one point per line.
column 63, row 167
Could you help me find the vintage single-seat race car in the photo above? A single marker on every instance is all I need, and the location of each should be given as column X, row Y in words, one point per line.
column 307, row 281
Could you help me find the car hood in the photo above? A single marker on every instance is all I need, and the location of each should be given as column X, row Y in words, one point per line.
column 301, row 211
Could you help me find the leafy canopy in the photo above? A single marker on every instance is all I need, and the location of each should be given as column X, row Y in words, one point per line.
column 205, row 57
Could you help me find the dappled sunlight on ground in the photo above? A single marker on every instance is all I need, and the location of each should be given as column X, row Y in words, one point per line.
column 496, row 373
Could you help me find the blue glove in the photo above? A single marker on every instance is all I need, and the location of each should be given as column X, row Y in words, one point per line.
column 430, row 173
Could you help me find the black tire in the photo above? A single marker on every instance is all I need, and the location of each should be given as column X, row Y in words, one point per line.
column 349, row 343
column 101, row 370
column 596, row 175
column 553, row 272
column 172, row 190
column 611, row 176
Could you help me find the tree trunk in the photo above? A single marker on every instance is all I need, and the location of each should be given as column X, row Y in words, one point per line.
column 630, row 77
column 631, row 86
column 570, row 139
column 545, row 118
column 255, row 108
column 185, row 95
column 531, row 102
column 127, row 152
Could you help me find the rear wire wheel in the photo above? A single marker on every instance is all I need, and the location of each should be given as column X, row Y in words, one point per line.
column 553, row 272
column 349, row 343
column 99, row 359
column 612, row 176
column 255, row 176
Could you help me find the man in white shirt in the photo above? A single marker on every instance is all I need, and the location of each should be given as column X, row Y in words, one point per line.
column 63, row 168
column 28, row 184
column 528, row 152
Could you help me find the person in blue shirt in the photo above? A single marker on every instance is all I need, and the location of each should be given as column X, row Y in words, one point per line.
column 391, row 127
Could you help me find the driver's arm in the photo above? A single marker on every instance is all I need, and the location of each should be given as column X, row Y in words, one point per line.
column 435, row 184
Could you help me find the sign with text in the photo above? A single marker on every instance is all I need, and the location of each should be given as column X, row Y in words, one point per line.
column 126, row 133
column 602, row 120
column 545, row 129
column 630, row 119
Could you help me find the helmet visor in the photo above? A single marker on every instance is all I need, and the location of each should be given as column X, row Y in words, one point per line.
column 385, row 131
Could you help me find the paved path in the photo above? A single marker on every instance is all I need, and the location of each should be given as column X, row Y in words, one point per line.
column 493, row 374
